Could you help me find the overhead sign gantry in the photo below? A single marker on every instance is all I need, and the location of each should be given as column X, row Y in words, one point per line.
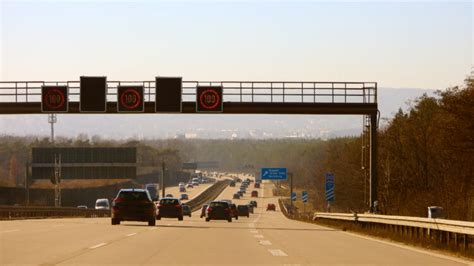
column 173, row 95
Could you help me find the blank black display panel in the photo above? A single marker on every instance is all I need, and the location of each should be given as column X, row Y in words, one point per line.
column 93, row 94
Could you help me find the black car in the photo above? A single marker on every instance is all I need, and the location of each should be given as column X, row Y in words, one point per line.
column 219, row 210
column 186, row 210
column 250, row 208
column 243, row 210
column 133, row 205
column 235, row 212
column 236, row 196
column 170, row 208
column 253, row 203
column 232, row 184
column 203, row 210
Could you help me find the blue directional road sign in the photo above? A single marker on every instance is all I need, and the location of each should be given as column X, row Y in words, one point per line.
column 274, row 173
column 304, row 196
column 293, row 196
column 329, row 187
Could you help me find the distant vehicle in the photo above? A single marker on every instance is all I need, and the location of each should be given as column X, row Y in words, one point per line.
column 235, row 213
column 153, row 191
column 203, row 210
column 186, row 210
column 242, row 190
column 256, row 185
column 170, row 208
column 271, row 207
column 189, row 186
column 250, row 208
column 240, row 193
column 184, row 197
column 195, row 181
column 243, row 210
column 133, row 205
column 254, row 194
column 236, row 196
column 253, row 203
column 182, row 189
column 169, row 195
column 238, row 180
column 102, row 204
column 219, row 210
column 82, row 207
column 232, row 184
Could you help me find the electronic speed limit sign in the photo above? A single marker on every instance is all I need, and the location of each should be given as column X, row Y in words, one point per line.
column 209, row 99
column 130, row 99
column 54, row 99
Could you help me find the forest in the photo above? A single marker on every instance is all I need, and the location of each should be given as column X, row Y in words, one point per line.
column 425, row 158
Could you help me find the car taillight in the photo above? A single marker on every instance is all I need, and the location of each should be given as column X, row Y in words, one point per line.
column 177, row 206
column 209, row 209
column 159, row 206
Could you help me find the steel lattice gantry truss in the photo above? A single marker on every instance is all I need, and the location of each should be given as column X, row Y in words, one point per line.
column 238, row 97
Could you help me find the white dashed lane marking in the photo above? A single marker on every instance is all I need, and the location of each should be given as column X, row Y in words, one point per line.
column 258, row 236
column 254, row 231
column 265, row 243
column 132, row 234
column 277, row 253
column 10, row 231
column 98, row 245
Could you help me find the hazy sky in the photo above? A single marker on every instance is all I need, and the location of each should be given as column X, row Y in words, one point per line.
column 398, row 44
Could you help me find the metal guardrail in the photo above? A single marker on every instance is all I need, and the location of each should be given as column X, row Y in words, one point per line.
column 452, row 226
column 442, row 233
column 25, row 212
column 233, row 91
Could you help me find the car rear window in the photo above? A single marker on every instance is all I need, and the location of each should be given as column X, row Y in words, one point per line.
column 242, row 207
column 219, row 204
column 168, row 201
column 102, row 203
column 133, row 195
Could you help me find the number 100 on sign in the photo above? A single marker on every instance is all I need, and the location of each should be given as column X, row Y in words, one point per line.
column 130, row 99
column 209, row 99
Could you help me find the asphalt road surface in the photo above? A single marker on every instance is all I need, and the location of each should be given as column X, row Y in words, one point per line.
column 264, row 238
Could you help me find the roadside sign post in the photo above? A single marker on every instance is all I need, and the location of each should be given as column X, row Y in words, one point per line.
column 304, row 198
column 329, row 189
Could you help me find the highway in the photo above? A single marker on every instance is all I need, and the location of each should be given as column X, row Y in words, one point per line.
column 264, row 238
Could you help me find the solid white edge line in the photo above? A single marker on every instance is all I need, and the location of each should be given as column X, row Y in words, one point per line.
column 403, row 246
column 98, row 245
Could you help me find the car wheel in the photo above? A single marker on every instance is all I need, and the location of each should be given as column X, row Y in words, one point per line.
column 180, row 218
column 158, row 217
column 152, row 222
column 115, row 221
column 230, row 220
column 190, row 215
column 236, row 217
column 207, row 219
column 248, row 216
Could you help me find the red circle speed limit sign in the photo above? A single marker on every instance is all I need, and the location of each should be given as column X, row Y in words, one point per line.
column 130, row 98
column 54, row 99
column 209, row 99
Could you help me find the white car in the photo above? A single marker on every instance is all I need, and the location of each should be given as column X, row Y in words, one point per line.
column 102, row 204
